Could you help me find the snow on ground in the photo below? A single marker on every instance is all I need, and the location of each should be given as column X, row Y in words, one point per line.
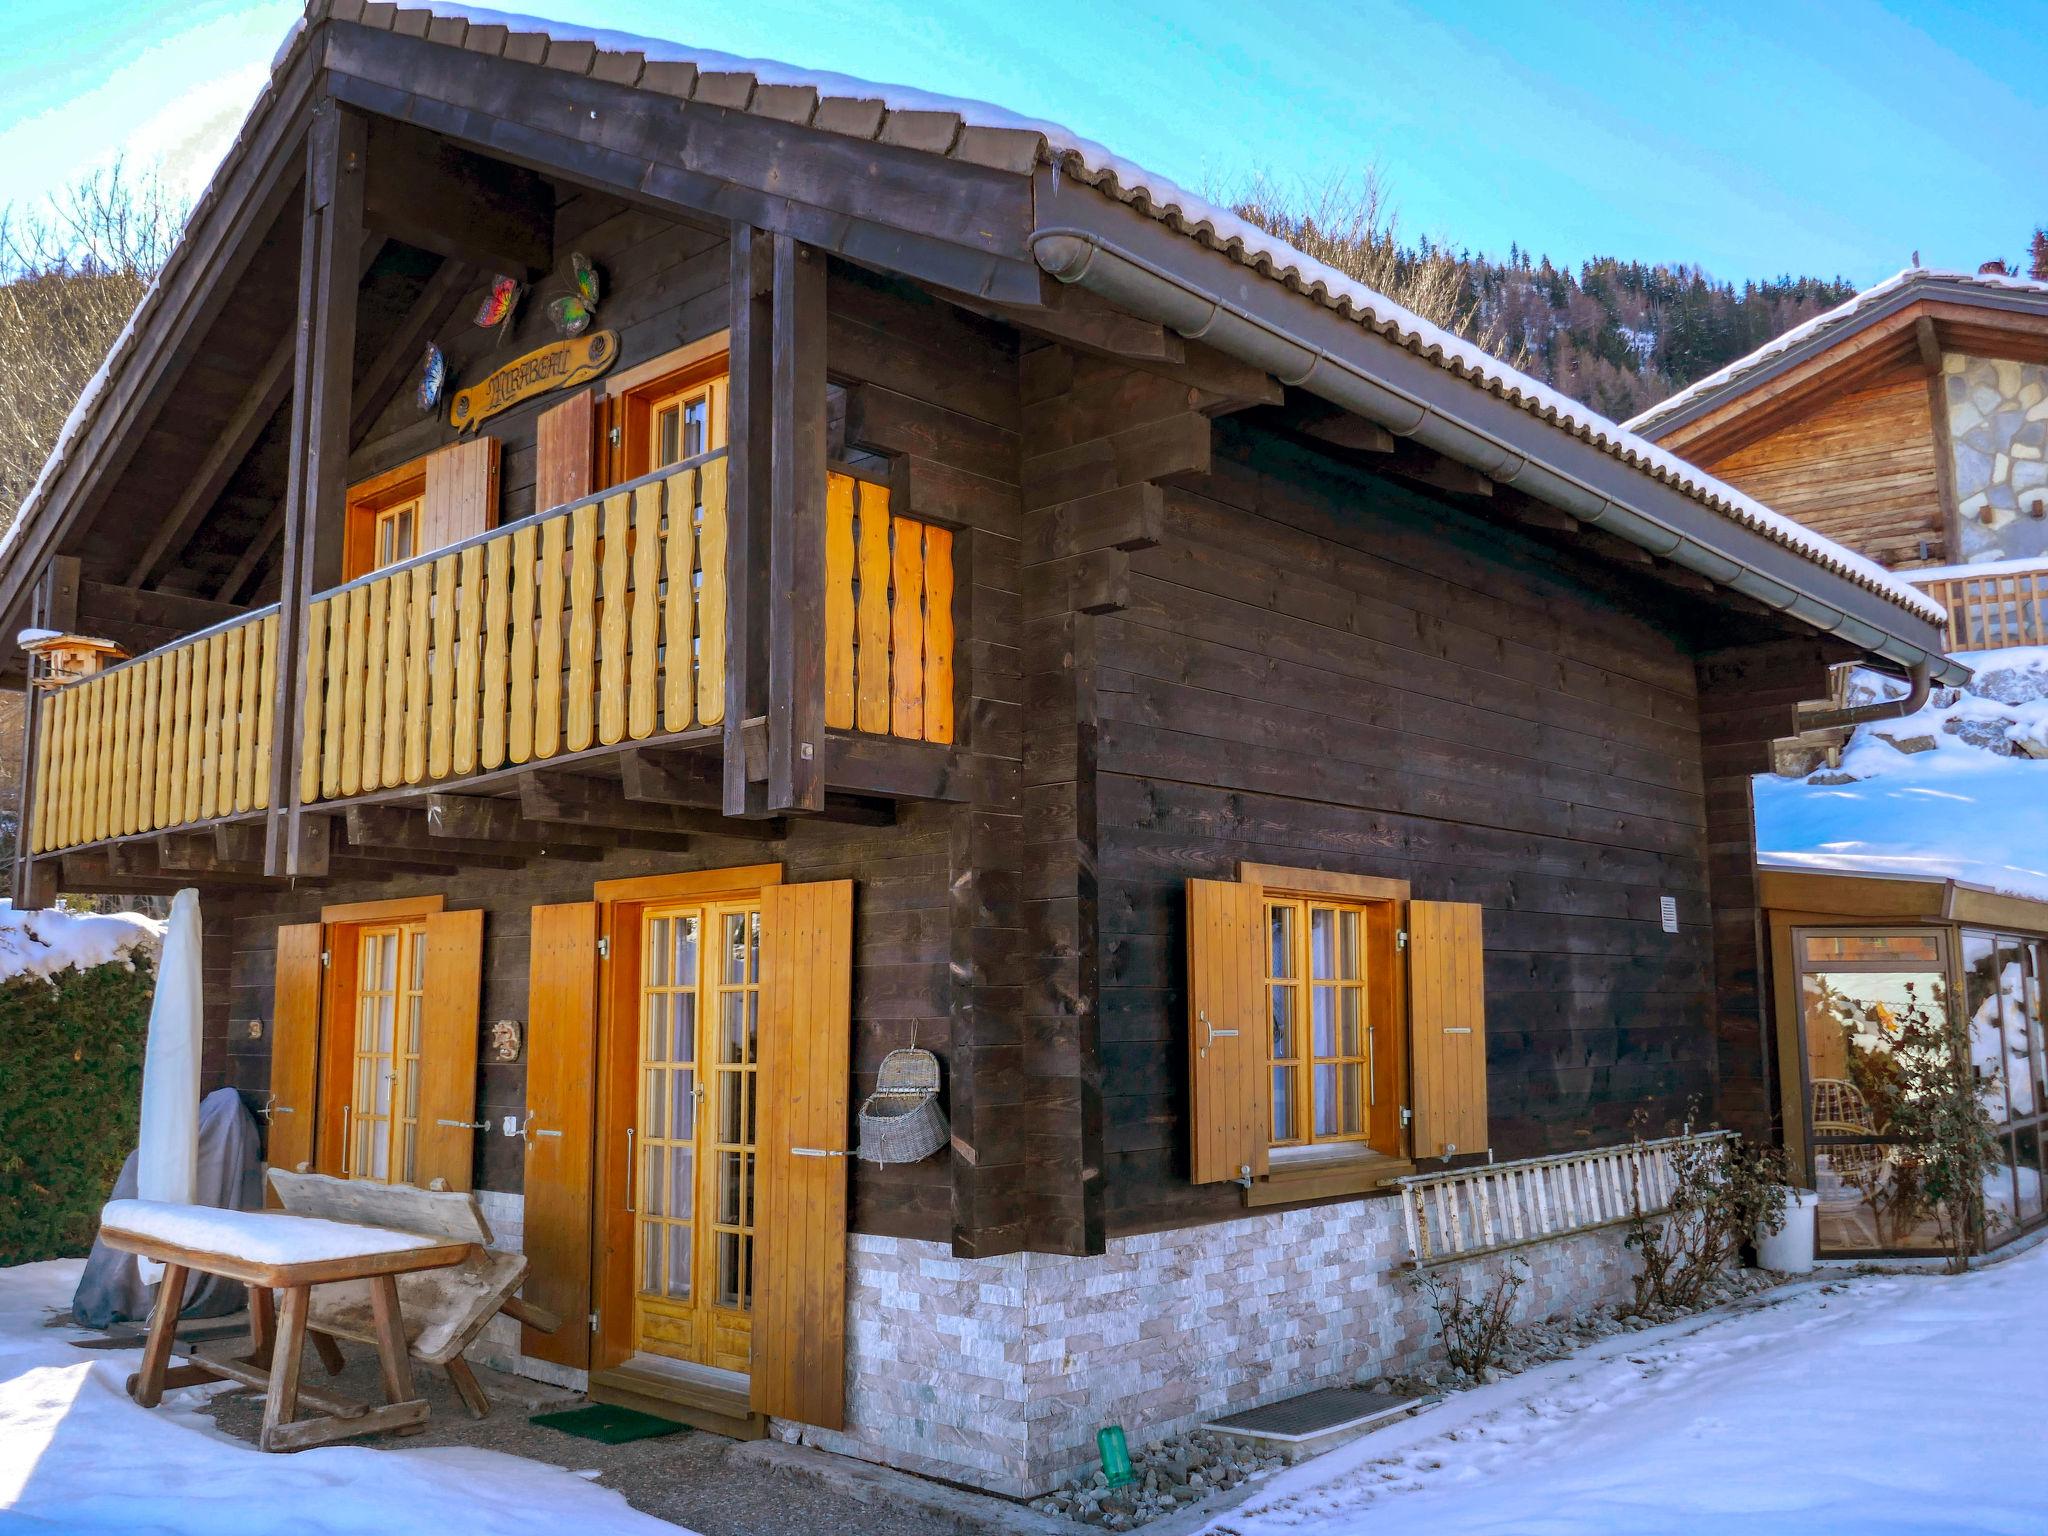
column 1963, row 810
column 77, row 1455
column 43, row 943
column 1894, row 1405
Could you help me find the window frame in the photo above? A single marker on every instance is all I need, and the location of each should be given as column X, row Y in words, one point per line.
column 632, row 398
column 369, row 502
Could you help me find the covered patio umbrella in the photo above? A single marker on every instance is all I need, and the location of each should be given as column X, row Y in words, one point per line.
column 167, row 1161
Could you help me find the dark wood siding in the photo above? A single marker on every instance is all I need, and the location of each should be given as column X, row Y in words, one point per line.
column 1321, row 668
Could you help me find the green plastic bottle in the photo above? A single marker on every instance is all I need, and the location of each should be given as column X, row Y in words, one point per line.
column 1116, row 1456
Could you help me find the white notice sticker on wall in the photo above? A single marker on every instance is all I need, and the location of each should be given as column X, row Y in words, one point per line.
column 1667, row 906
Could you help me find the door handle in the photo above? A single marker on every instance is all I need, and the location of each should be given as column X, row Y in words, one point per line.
column 463, row 1125
column 630, row 1170
column 814, row 1152
column 1215, row 1034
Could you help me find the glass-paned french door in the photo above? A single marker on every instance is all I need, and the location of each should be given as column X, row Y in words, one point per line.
column 383, row 1110
column 693, row 1129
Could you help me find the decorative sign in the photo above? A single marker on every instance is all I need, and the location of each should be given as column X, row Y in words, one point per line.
column 559, row 365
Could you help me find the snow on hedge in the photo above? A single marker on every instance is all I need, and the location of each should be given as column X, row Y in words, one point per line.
column 42, row 943
column 1954, row 791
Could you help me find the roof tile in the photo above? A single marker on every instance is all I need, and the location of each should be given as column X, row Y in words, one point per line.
column 573, row 56
column 933, row 132
column 378, row 14
column 410, row 23
column 1002, row 149
column 669, row 78
column 618, row 68
column 787, row 103
column 483, row 38
column 724, row 88
column 447, row 29
column 526, row 47
column 854, row 118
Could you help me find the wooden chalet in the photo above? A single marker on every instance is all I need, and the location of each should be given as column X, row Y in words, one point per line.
column 955, row 593
column 1910, row 424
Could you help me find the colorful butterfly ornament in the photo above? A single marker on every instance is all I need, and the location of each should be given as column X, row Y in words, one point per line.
column 500, row 305
column 572, row 315
column 433, row 374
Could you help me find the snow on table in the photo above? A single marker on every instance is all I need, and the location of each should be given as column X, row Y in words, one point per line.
column 77, row 1455
column 261, row 1237
column 1895, row 1405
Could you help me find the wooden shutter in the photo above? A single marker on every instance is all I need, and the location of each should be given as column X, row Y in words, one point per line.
column 561, row 1088
column 1447, row 1027
column 799, row 1333
column 1229, row 1081
column 342, row 944
column 462, row 492
column 295, row 1045
column 566, row 451
column 444, row 1143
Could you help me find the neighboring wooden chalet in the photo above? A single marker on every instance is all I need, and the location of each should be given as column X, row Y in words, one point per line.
column 954, row 593
column 1910, row 424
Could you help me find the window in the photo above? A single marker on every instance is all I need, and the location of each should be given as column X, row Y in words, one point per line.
column 669, row 410
column 1334, row 1024
column 391, row 978
column 385, row 519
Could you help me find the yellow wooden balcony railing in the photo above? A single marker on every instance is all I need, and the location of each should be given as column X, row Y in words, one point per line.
column 178, row 736
column 587, row 626
column 1991, row 611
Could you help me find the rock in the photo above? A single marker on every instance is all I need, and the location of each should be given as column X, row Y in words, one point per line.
column 1832, row 777
column 1907, row 744
column 1990, row 735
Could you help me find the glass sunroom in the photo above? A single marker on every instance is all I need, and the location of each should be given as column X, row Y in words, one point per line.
column 1872, row 974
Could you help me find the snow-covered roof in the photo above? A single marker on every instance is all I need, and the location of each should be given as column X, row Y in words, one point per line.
column 1961, row 287
column 988, row 135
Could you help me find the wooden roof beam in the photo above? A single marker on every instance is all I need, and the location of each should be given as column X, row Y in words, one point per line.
column 485, row 818
column 555, row 796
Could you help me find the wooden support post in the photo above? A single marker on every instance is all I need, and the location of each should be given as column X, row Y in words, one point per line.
column 54, row 606
column 796, row 537
column 749, row 432
column 330, row 243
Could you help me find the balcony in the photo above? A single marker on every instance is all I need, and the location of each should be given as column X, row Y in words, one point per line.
column 563, row 637
column 1993, row 608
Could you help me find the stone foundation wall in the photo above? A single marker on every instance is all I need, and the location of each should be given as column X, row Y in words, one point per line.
column 998, row 1372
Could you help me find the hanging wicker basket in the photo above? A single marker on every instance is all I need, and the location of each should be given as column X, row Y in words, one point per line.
column 901, row 1122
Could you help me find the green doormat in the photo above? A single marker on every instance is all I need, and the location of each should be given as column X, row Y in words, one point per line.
column 609, row 1424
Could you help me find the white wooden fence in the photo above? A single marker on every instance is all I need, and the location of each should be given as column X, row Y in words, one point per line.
column 1475, row 1211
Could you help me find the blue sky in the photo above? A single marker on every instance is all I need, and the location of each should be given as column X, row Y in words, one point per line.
column 1755, row 139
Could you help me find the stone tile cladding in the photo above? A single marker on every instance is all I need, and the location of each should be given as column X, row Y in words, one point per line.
column 1998, row 429
column 998, row 1372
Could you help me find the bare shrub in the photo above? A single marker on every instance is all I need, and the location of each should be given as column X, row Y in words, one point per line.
column 1473, row 1326
column 1723, row 1193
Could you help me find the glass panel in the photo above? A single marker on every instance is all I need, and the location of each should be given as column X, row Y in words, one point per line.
column 1322, row 943
column 732, row 1107
column 679, row 1263
column 1280, row 923
column 728, row 1279
column 1854, row 1023
column 736, row 948
column 1351, row 1016
column 1283, row 1103
column 2001, row 1209
column 1349, row 958
column 1983, row 994
column 1901, row 948
column 1283, row 1023
column 667, row 436
column 1323, row 1004
column 654, row 1103
column 2037, row 1036
column 696, row 418
column 387, row 962
column 658, row 951
column 653, row 1187
column 682, row 1103
column 2016, row 1066
column 1350, row 1111
column 1326, row 1101
column 729, row 1188
column 732, row 1038
column 682, row 1164
column 2028, row 1145
column 747, row 1204
column 650, row 1253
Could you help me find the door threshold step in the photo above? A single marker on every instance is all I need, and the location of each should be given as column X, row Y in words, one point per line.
column 1300, row 1427
column 701, row 1404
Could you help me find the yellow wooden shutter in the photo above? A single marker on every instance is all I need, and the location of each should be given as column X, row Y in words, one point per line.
column 341, row 942
column 1229, row 1081
column 565, row 452
column 444, row 1143
column 561, row 1086
column 462, row 492
column 295, row 1045
column 799, row 1364
column 1447, row 1027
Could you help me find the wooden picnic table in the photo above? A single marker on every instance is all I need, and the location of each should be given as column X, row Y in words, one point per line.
column 282, row 1335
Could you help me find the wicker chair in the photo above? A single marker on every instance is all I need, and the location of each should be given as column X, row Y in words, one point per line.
column 1839, row 1109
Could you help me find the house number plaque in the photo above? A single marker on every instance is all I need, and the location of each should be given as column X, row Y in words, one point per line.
column 558, row 365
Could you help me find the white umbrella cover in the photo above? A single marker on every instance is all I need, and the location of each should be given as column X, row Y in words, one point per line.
column 167, row 1158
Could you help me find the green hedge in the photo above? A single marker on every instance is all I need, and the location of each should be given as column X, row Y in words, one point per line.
column 70, row 1095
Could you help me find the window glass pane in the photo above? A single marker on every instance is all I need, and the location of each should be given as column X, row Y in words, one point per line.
column 1983, row 1002
column 1349, row 956
column 658, row 952
column 1351, row 1014
column 696, row 421
column 1351, row 1105
column 2037, row 1034
column 2028, row 1145
column 667, row 436
column 2001, row 1205
column 1283, row 1104
column 1283, row 1023
column 654, row 1104
column 1280, row 935
column 650, row 1255
column 1910, row 948
column 1322, row 943
column 1325, row 1080
column 679, row 1263
column 2017, row 1064
column 735, row 948
column 1324, row 1004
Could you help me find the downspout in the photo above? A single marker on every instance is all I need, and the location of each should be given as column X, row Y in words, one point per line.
column 1083, row 258
column 1921, row 678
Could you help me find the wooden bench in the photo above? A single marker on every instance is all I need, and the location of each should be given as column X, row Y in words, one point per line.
column 291, row 1255
column 444, row 1309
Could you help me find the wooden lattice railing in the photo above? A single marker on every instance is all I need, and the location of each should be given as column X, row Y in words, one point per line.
column 181, row 735
column 590, row 625
column 1474, row 1211
column 1992, row 611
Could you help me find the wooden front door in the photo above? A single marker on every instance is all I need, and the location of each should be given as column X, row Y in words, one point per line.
column 681, row 1043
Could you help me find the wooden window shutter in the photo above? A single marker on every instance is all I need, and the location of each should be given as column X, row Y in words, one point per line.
column 1447, row 1027
column 337, row 1049
column 1229, row 1087
column 462, row 492
column 444, row 1143
column 295, row 1045
column 566, row 451
column 799, row 1364
column 561, row 1088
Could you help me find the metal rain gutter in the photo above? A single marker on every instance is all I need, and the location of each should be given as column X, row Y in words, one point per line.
column 1257, row 331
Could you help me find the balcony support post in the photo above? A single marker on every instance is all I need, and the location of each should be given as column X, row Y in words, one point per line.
column 796, row 539
column 330, row 254
column 749, row 434
column 54, row 605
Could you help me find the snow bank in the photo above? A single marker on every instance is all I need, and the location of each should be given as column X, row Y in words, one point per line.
column 46, row 942
column 77, row 1455
column 1890, row 1406
column 262, row 1237
column 1972, row 806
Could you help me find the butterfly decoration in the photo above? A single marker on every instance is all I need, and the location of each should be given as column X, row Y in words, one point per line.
column 433, row 374
column 572, row 313
column 499, row 305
